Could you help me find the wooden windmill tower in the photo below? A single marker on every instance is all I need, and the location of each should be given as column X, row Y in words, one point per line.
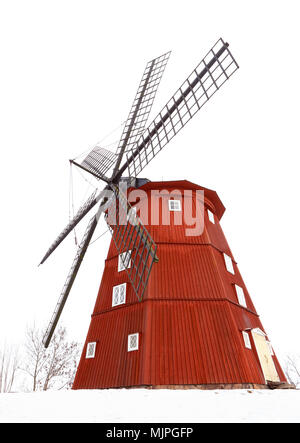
column 172, row 309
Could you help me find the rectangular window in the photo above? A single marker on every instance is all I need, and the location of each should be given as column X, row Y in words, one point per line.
column 124, row 261
column 119, row 295
column 241, row 296
column 132, row 216
column 174, row 205
column 133, row 342
column 246, row 339
column 228, row 263
column 211, row 216
column 90, row 350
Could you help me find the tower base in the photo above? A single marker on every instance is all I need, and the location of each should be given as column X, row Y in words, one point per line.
column 215, row 386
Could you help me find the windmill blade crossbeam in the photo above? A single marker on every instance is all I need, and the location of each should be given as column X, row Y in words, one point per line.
column 211, row 73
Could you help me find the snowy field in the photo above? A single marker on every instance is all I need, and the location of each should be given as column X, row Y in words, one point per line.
column 151, row 406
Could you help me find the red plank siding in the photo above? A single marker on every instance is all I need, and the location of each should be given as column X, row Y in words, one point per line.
column 189, row 323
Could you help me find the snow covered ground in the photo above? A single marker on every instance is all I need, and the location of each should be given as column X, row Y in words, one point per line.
column 151, row 406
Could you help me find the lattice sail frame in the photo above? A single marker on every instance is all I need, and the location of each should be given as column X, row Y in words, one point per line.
column 133, row 242
column 70, row 279
column 99, row 161
column 143, row 101
column 80, row 253
column 211, row 73
column 82, row 211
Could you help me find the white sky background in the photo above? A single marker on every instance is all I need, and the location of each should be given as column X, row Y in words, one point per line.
column 69, row 73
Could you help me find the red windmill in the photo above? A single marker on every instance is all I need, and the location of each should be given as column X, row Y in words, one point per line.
column 172, row 308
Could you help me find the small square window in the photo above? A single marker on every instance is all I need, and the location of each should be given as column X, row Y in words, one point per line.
column 133, row 342
column 241, row 296
column 211, row 216
column 90, row 350
column 246, row 339
column 174, row 205
column 124, row 261
column 228, row 263
column 119, row 294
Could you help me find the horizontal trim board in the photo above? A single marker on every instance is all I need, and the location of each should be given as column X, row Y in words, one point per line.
column 159, row 300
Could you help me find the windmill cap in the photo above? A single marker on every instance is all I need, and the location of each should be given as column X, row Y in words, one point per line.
column 209, row 195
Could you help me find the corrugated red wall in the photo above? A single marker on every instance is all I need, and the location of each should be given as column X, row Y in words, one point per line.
column 189, row 323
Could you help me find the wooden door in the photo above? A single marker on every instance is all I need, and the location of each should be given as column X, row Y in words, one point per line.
column 264, row 355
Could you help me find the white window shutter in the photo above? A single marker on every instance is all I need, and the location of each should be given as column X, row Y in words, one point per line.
column 246, row 339
column 122, row 294
column 228, row 263
column 211, row 216
column 241, row 296
column 115, row 297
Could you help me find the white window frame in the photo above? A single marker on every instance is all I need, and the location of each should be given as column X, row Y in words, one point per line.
column 90, row 354
column 211, row 216
column 240, row 295
column 175, row 205
column 228, row 263
column 136, row 347
column 116, row 301
column 132, row 215
column 121, row 266
column 247, row 341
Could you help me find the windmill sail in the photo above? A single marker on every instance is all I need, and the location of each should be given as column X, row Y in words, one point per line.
column 98, row 162
column 211, row 73
column 70, row 280
column 142, row 104
column 137, row 250
column 83, row 210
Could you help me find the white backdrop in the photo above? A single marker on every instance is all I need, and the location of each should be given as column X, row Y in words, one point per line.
column 69, row 72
